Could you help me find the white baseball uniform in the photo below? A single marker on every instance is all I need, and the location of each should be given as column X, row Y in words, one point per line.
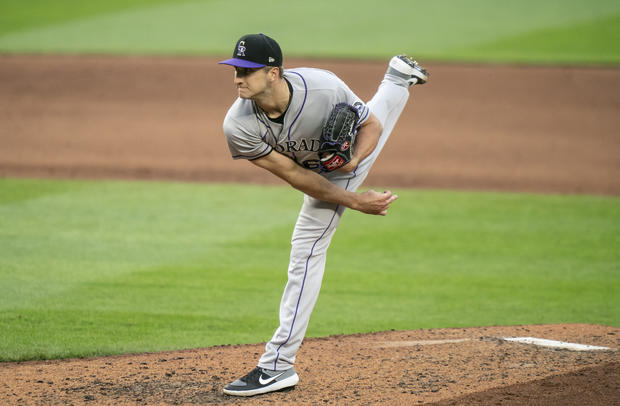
column 251, row 135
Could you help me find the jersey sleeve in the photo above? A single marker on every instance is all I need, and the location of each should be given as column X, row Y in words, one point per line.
column 242, row 143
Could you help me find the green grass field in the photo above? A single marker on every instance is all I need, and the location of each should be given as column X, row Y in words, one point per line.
column 524, row 31
column 90, row 268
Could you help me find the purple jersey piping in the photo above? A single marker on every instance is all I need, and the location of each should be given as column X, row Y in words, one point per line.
column 290, row 127
column 303, row 283
column 269, row 130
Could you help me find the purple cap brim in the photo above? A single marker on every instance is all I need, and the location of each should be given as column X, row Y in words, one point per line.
column 242, row 63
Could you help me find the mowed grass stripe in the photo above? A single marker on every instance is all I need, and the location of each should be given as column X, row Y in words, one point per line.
column 92, row 268
column 482, row 30
column 17, row 15
column 112, row 228
column 589, row 42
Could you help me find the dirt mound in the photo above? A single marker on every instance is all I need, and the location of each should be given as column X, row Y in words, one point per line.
column 447, row 366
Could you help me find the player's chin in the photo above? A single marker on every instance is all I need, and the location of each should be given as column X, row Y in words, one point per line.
column 244, row 93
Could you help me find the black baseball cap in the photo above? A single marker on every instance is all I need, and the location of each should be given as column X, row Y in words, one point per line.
column 255, row 51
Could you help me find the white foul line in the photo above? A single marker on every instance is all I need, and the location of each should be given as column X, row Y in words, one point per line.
column 555, row 344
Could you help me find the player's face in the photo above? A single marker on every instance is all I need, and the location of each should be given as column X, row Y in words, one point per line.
column 250, row 82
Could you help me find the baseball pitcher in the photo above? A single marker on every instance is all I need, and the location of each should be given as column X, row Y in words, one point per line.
column 307, row 127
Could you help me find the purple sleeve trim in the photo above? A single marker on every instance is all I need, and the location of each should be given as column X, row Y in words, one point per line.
column 251, row 157
column 366, row 114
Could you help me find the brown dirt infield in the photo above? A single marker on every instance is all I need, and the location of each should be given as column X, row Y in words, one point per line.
column 532, row 129
column 446, row 366
column 525, row 129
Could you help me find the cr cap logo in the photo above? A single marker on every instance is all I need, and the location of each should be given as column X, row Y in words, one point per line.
column 241, row 48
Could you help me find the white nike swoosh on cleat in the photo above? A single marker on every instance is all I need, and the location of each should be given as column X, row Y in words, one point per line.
column 268, row 381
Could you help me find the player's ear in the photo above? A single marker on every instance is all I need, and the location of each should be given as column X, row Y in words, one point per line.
column 273, row 72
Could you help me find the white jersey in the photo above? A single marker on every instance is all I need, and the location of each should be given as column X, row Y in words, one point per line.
column 251, row 134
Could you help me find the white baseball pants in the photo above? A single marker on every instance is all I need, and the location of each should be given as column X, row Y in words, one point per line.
column 313, row 232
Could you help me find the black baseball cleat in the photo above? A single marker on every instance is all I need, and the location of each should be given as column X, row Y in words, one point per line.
column 408, row 69
column 261, row 380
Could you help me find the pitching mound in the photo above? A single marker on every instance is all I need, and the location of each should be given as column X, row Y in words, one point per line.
column 442, row 366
